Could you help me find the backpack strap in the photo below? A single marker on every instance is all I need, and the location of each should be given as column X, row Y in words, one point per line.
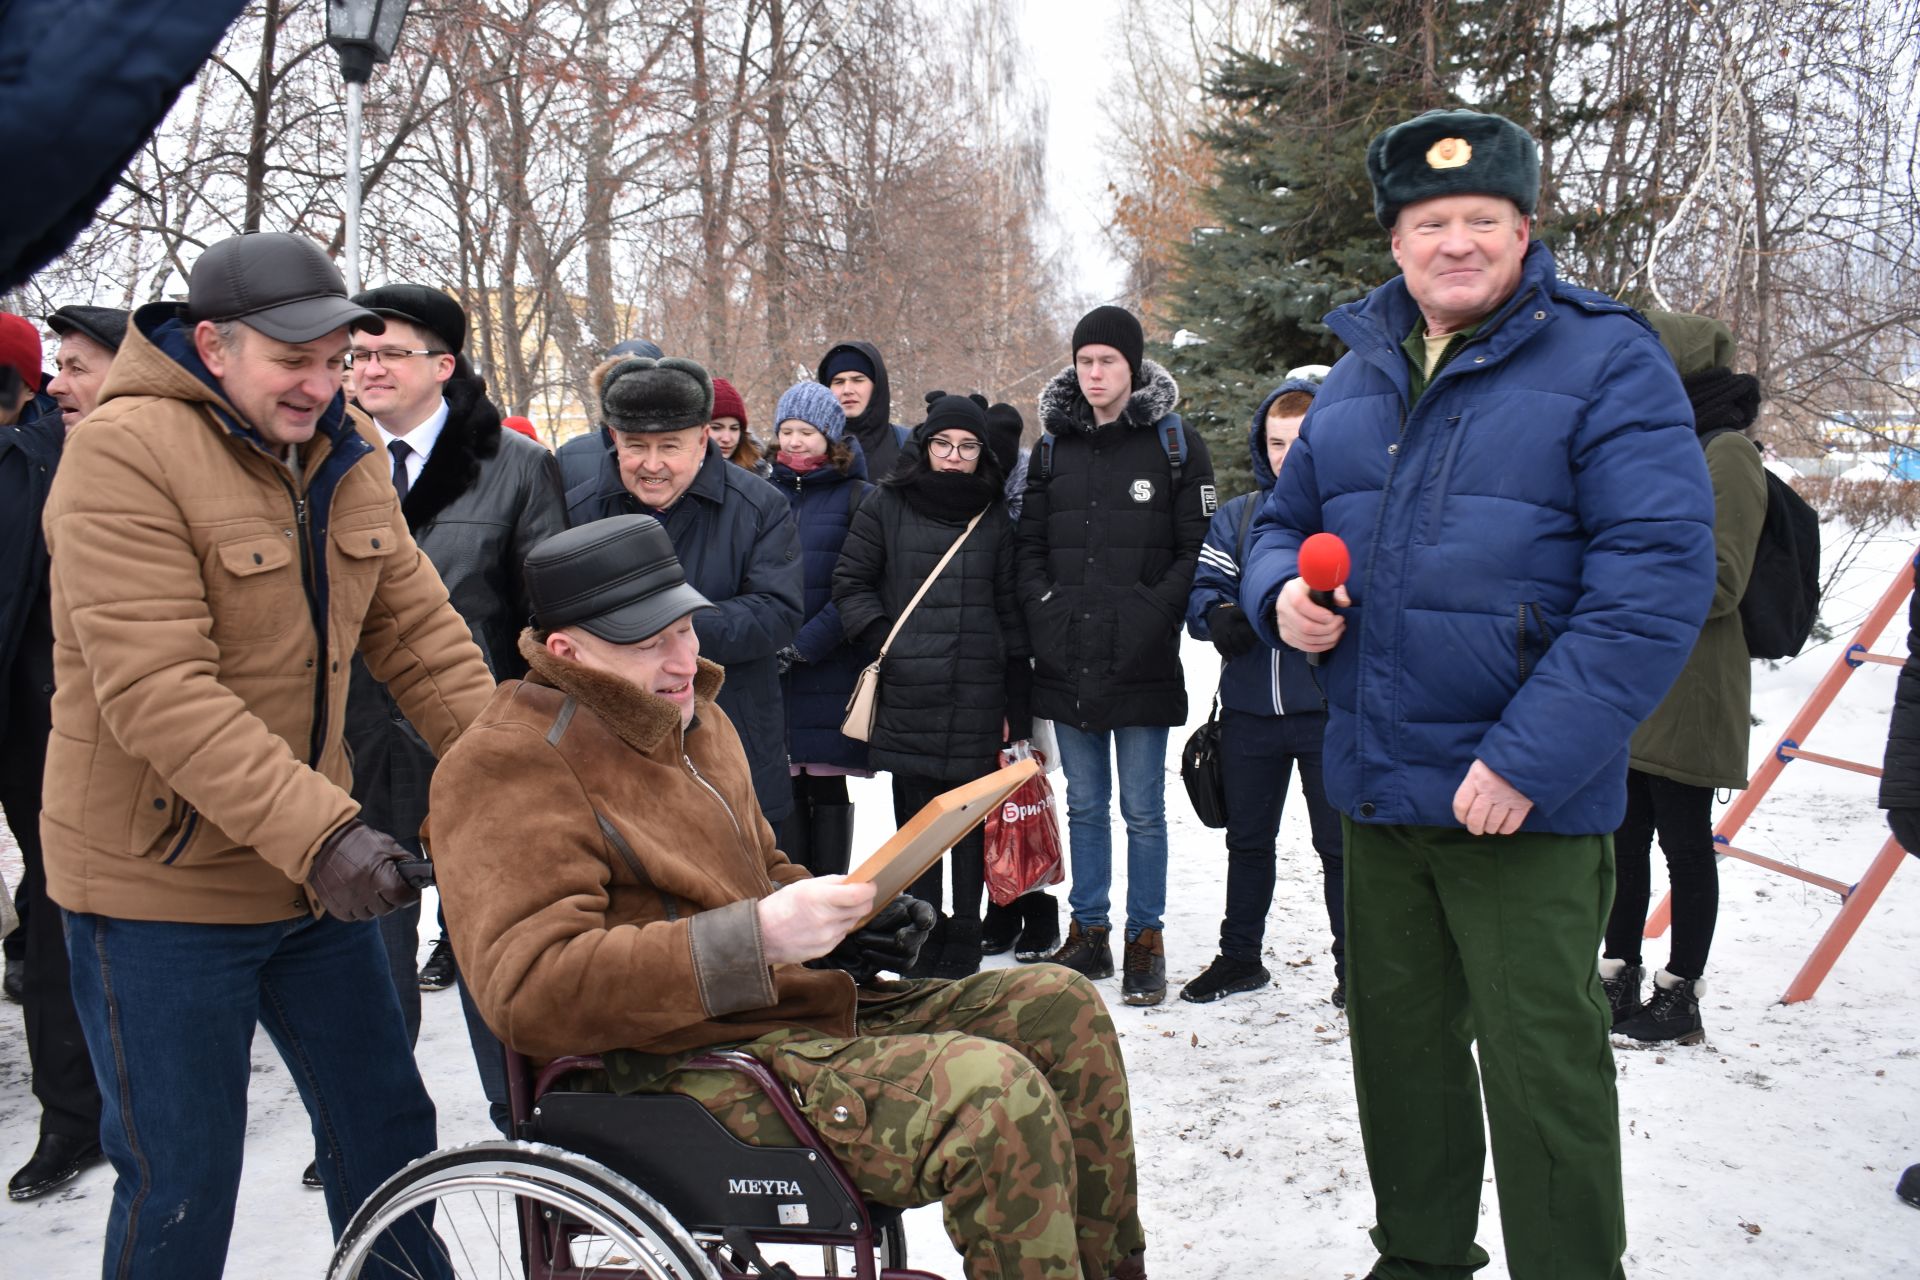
column 1046, row 456
column 1173, row 441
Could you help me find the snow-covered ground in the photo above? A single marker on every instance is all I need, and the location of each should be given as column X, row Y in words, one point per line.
column 1771, row 1151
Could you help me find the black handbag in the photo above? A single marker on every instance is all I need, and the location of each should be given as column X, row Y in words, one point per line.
column 1200, row 769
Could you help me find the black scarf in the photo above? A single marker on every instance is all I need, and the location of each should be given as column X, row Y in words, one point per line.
column 1722, row 399
column 953, row 496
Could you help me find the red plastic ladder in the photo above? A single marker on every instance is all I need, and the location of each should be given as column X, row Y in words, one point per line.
column 1856, row 899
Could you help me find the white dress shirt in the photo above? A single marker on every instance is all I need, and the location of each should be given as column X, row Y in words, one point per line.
column 421, row 440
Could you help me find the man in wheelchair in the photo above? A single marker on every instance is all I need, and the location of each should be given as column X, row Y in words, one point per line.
column 612, row 888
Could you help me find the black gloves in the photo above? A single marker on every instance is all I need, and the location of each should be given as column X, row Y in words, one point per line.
column 1905, row 825
column 361, row 873
column 1232, row 634
column 891, row 941
column 787, row 657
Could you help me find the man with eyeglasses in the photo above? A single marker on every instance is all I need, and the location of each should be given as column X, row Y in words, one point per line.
column 477, row 498
column 224, row 539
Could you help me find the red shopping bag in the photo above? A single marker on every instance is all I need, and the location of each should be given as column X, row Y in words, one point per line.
column 1023, row 836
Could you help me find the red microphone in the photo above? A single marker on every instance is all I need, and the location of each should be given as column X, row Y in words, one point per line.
column 1324, row 563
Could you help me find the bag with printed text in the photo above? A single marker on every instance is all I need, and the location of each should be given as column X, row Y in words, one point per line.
column 1023, row 835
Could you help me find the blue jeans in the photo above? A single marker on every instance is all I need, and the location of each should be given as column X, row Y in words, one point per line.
column 1257, row 754
column 169, row 1011
column 400, row 935
column 1087, row 760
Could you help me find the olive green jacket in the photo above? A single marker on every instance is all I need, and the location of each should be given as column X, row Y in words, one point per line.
column 1698, row 735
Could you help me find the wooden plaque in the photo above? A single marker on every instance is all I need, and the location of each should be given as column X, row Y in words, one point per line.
column 943, row 823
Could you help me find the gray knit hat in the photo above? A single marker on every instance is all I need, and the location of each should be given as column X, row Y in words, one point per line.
column 814, row 405
column 642, row 395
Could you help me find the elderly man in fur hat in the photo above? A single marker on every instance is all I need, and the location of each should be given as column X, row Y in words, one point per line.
column 1511, row 461
column 733, row 531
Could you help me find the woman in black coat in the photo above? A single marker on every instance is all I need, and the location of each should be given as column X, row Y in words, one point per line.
column 955, row 684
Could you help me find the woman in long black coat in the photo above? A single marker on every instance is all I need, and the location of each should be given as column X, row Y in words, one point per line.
column 955, row 685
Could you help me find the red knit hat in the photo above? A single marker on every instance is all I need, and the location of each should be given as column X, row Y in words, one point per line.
column 20, row 347
column 727, row 402
column 523, row 425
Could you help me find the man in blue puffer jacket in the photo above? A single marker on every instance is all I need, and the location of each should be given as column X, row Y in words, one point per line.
column 1511, row 461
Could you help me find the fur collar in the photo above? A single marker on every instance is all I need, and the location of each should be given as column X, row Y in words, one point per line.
column 471, row 436
column 1064, row 411
column 641, row 720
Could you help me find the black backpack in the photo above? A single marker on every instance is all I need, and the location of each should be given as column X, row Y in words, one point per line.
column 1783, row 593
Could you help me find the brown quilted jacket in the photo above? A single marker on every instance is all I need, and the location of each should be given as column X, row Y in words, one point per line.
column 601, row 871
column 196, row 762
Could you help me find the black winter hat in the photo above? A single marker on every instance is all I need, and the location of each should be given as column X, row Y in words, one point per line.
column 1451, row 153
column 1114, row 327
column 423, row 307
column 616, row 578
column 1004, row 429
column 105, row 325
column 643, row 395
column 953, row 413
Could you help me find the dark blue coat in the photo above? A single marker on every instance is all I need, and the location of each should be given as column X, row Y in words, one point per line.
column 818, row 685
column 29, row 455
column 737, row 543
column 1532, row 552
column 1265, row 681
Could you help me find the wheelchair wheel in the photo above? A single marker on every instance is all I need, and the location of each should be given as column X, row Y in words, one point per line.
column 519, row 1209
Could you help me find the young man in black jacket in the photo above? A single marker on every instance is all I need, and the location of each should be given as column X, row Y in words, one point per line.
column 1119, row 493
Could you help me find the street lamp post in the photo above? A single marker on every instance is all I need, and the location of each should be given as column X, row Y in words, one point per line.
column 363, row 33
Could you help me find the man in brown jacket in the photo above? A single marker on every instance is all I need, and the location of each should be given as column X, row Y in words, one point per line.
column 223, row 541
column 611, row 887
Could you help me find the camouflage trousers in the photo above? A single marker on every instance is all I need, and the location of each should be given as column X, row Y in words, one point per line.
column 1001, row 1095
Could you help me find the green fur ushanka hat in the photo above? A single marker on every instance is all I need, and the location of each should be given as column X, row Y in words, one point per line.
column 1451, row 153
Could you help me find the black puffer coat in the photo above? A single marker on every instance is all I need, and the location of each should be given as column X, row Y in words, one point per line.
column 944, row 686
column 485, row 498
column 1900, row 774
column 1106, row 557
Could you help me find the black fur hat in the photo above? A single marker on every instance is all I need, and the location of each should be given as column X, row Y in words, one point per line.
column 640, row 395
column 1450, row 153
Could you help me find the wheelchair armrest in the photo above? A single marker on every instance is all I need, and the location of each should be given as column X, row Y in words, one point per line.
column 560, row 1068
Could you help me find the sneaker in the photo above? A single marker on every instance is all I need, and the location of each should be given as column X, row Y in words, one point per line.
column 1226, row 977
column 1672, row 1015
column 1001, row 929
column 1144, row 981
column 1622, row 982
column 1086, row 951
column 437, row 973
column 1040, row 932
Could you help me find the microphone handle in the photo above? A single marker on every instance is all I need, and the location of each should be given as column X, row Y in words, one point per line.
column 1325, row 600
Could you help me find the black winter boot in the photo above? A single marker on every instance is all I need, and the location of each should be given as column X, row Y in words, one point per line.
column 1226, row 977
column 960, row 952
column 1671, row 1015
column 1086, row 951
column 1145, row 965
column 832, row 839
column 1040, row 935
column 1001, row 929
column 1622, row 982
column 796, row 836
column 1909, row 1187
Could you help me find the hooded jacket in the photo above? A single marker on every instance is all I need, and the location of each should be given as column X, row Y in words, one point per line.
column 1106, row 557
column 1264, row 681
column 818, row 685
column 207, row 602
column 944, row 687
column 1532, row 548
column 738, row 544
column 485, row 498
column 880, row 438
column 602, row 867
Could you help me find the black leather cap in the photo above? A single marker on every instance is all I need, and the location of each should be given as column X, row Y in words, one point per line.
column 284, row 286
column 423, row 307
column 616, row 578
column 105, row 325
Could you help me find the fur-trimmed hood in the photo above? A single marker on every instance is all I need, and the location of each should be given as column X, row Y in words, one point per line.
column 640, row 719
column 1064, row 410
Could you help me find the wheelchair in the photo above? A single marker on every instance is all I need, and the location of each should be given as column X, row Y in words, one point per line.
column 647, row 1186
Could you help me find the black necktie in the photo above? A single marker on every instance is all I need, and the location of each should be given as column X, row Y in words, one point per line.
column 400, row 449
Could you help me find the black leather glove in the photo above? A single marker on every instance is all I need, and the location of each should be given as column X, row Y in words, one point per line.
column 361, row 873
column 1232, row 634
column 891, row 941
column 1905, row 824
column 787, row 657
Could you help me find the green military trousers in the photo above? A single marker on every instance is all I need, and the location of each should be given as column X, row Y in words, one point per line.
column 1455, row 940
column 1002, row 1096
